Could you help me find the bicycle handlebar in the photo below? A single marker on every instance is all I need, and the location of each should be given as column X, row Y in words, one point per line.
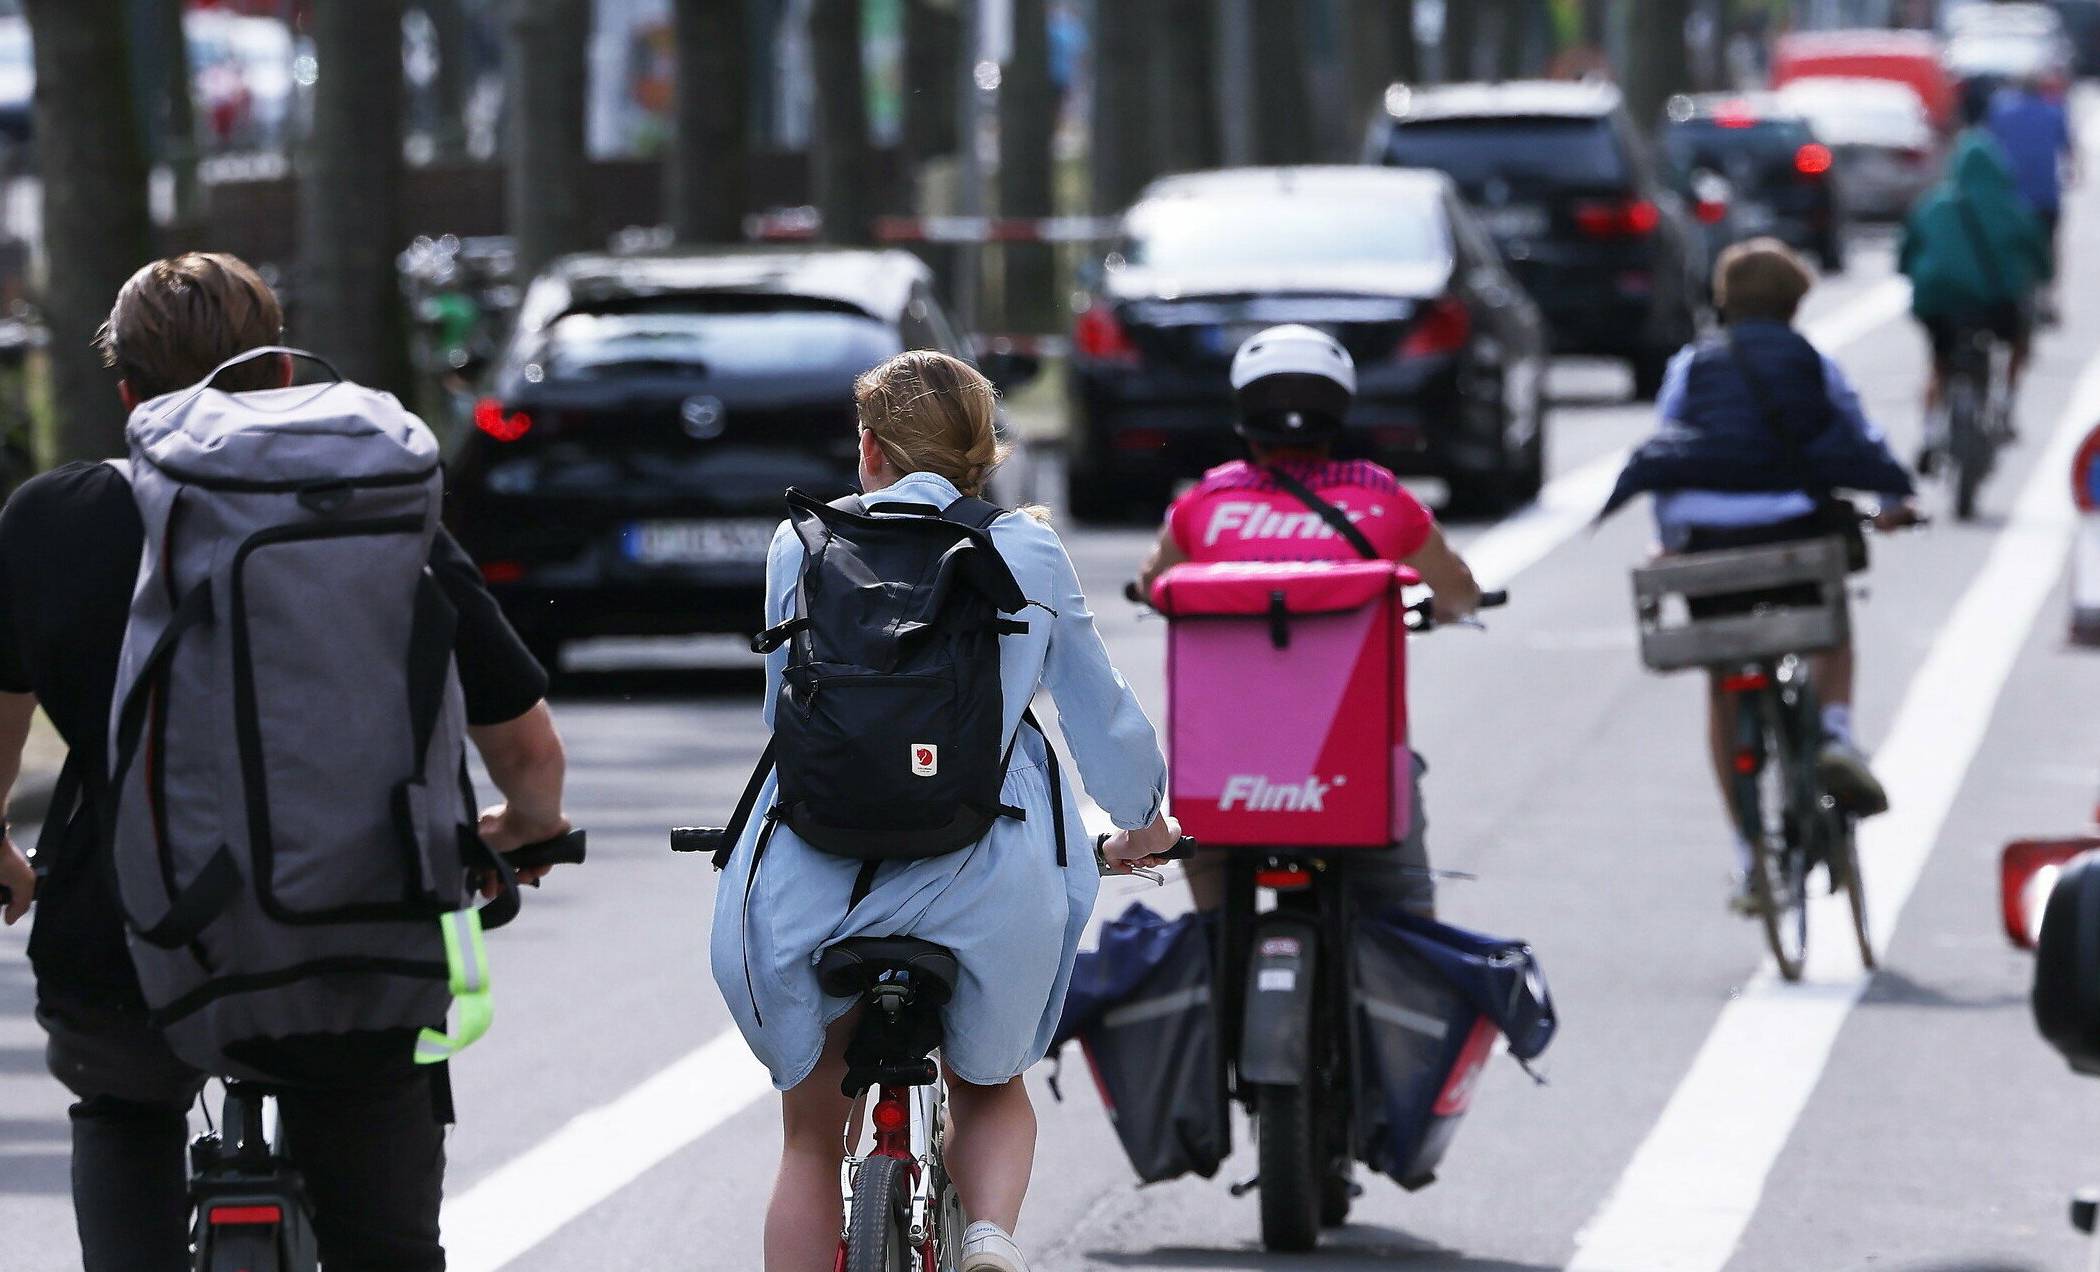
column 1421, row 616
column 565, row 849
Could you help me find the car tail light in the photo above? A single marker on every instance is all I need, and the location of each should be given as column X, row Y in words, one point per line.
column 2027, row 872
column 1813, row 160
column 1617, row 218
column 1098, row 334
column 1710, row 211
column 1735, row 115
column 1444, row 327
column 502, row 571
column 244, row 1216
column 504, row 426
column 1283, row 880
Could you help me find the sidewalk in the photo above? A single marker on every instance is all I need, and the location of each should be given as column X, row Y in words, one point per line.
column 40, row 761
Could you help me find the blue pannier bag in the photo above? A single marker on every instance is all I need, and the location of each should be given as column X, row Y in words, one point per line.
column 1431, row 1000
column 1140, row 1008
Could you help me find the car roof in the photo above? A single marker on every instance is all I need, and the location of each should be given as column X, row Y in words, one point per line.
column 1309, row 179
column 1574, row 99
column 1810, row 45
column 1761, row 107
column 877, row 281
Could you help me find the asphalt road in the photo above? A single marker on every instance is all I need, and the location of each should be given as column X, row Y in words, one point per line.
column 1698, row 1115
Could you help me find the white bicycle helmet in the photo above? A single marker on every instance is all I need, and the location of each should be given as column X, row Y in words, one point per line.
column 1294, row 384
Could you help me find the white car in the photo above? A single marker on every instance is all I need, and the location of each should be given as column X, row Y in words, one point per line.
column 1887, row 152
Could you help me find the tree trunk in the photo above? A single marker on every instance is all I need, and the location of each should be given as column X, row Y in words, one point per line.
column 841, row 171
column 1370, row 39
column 706, row 179
column 178, row 133
column 96, row 227
column 1596, row 22
column 932, row 71
column 548, row 180
column 1407, row 55
column 1283, row 111
column 448, row 23
column 1461, row 37
column 1658, row 61
column 350, row 212
column 1027, row 118
column 1511, row 38
column 1122, row 140
column 1184, row 85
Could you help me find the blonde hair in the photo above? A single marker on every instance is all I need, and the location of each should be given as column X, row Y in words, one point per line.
column 930, row 413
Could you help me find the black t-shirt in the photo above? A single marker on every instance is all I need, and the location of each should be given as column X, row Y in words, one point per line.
column 69, row 556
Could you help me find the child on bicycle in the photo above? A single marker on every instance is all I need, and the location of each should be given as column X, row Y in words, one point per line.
column 1294, row 385
column 1754, row 431
column 1008, row 912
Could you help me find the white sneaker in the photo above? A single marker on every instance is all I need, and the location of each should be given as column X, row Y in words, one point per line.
column 988, row 1248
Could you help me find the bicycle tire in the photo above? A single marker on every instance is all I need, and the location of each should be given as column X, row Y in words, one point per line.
column 878, row 1236
column 1848, row 877
column 1778, row 882
column 249, row 1250
column 1292, row 1167
column 1968, row 449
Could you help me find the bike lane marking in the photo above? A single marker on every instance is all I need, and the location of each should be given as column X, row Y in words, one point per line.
column 532, row 1196
column 1693, row 1185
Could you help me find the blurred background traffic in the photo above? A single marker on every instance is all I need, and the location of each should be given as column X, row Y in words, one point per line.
column 521, row 216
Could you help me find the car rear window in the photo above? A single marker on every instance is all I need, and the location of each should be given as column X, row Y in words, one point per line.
column 1741, row 150
column 1522, row 150
column 667, row 340
column 1298, row 229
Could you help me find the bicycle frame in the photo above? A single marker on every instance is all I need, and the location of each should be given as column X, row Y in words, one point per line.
column 911, row 1125
column 249, row 1203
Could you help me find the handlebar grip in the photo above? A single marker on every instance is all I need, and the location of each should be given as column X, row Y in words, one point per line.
column 706, row 839
column 1183, row 849
column 562, row 850
column 1495, row 599
column 1135, row 594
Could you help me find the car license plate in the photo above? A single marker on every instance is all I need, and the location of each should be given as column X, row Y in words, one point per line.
column 741, row 541
column 1514, row 223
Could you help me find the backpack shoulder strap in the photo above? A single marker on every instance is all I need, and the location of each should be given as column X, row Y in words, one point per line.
column 1327, row 512
column 1765, row 412
column 744, row 805
column 978, row 514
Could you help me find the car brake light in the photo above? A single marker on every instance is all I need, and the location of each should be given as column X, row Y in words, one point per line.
column 1735, row 115
column 1099, row 334
column 1444, row 327
column 504, row 426
column 242, row 1216
column 1629, row 218
column 502, row 571
column 1812, row 160
column 1710, row 211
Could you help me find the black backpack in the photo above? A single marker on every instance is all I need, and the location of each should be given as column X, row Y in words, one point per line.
column 887, row 731
column 2066, row 995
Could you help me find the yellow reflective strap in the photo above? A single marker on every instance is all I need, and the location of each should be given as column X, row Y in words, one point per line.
column 467, row 963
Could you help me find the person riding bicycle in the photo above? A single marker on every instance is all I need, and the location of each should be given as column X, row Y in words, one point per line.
column 364, row 1135
column 1975, row 254
column 1006, row 909
column 2033, row 131
column 1755, row 429
column 1294, row 385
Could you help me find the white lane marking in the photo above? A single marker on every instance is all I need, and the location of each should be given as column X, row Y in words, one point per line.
column 1862, row 316
column 1694, row 1183
column 526, row 1200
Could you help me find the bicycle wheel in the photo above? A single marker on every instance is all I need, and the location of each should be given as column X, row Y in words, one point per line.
column 1844, row 873
column 1292, row 1166
column 240, row 1250
column 878, row 1236
column 1778, row 862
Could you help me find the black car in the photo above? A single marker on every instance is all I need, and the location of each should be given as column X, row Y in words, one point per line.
column 1450, row 356
column 1784, row 179
column 624, row 474
column 1563, row 181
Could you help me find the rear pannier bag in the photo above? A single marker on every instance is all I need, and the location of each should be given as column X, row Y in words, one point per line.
column 1287, row 702
column 291, row 827
column 1431, row 1000
column 1140, row 1007
column 2066, row 994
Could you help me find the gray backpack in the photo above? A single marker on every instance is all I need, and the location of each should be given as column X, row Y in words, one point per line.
column 292, row 826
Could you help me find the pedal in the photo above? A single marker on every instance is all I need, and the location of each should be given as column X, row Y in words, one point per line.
column 2085, row 1207
column 1245, row 1186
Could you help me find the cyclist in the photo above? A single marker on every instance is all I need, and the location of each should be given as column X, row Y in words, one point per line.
column 371, row 1151
column 2033, row 130
column 1293, row 386
column 1975, row 255
column 1009, row 913
column 1755, row 428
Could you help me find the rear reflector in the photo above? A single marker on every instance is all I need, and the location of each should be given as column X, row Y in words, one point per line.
column 1710, row 211
column 243, row 1216
column 890, row 1116
column 1473, row 1055
column 1745, row 680
column 504, row 426
column 1283, row 880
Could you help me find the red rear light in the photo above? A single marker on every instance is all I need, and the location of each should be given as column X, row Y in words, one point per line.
column 504, row 426
column 502, row 571
column 1098, row 334
column 890, row 1116
column 1615, row 218
column 240, row 1216
column 1746, row 762
column 1812, row 160
column 1283, row 880
column 1444, row 327
column 1744, row 681
column 1710, row 211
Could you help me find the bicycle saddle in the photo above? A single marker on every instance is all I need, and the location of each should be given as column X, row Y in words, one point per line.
column 854, row 966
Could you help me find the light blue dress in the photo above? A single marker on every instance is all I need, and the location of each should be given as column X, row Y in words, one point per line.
column 1012, row 917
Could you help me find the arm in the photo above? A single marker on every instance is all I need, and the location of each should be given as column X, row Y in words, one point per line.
column 525, row 759
column 1165, row 555
column 16, row 874
column 1852, row 416
column 1448, row 576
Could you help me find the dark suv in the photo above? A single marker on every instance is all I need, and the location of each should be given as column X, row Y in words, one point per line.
column 1781, row 175
column 623, row 476
column 1562, row 180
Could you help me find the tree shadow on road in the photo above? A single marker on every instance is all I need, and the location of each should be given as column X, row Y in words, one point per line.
column 1356, row 1246
column 1894, row 989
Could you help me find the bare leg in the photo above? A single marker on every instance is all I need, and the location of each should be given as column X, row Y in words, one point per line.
column 804, row 1217
column 1720, row 738
column 1833, row 673
column 991, row 1151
